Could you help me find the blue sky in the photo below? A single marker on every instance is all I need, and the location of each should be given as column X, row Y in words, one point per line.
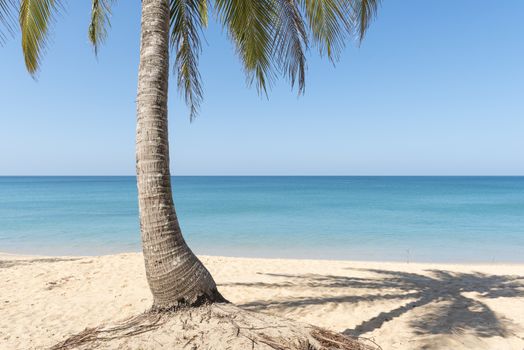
column 435, row 89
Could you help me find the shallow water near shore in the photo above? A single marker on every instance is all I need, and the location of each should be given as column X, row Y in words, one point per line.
column 423, row 219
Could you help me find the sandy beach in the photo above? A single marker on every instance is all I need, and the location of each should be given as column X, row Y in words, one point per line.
column 398, row 305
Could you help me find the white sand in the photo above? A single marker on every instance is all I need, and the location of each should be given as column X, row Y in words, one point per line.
column 398, row 305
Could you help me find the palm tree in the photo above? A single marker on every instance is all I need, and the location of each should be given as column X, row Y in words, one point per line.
column 271, row 38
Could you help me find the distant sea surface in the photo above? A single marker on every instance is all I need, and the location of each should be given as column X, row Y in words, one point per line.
column 417, row 219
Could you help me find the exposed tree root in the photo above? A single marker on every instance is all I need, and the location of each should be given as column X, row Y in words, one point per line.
column 217, row 326
column 134, row 326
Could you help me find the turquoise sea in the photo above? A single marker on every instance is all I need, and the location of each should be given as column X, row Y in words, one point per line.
column 445, row 219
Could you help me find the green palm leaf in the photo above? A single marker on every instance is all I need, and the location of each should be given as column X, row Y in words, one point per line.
column 332, row 21
column 251, row 26
column 270, row 36
column 364, row 10
column 100, row 13
column 328, row 23
column 187, row 19
column 7, row 8
column 35, row 17
column 291, row 42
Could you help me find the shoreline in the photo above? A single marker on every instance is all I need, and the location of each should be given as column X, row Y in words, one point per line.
column 18, row 256
column 400, row 305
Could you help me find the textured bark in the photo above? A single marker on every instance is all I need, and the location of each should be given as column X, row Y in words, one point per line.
column 175, row 275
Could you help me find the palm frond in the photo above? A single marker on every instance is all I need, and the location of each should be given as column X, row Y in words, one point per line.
column 291, row 42
column 365, row 11
column 329, row 23
column 187, row 19
column 270, row 36
column 100, row 21
column 35, row 17
column 203, row 12
column 7, row 10
column 250, row 25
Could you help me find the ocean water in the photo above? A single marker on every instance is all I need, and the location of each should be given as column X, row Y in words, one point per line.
column 443, row 219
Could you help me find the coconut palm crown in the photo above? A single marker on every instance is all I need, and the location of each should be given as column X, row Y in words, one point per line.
column 271, row 37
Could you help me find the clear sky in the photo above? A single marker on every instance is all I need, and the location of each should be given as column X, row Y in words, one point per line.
column 437, row 88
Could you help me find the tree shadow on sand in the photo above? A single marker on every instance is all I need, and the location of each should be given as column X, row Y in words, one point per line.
column 443, row 291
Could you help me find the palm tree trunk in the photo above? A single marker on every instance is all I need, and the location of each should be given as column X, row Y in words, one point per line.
column 175, row 275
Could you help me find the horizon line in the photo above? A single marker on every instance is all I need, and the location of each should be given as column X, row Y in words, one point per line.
column 283, row 175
